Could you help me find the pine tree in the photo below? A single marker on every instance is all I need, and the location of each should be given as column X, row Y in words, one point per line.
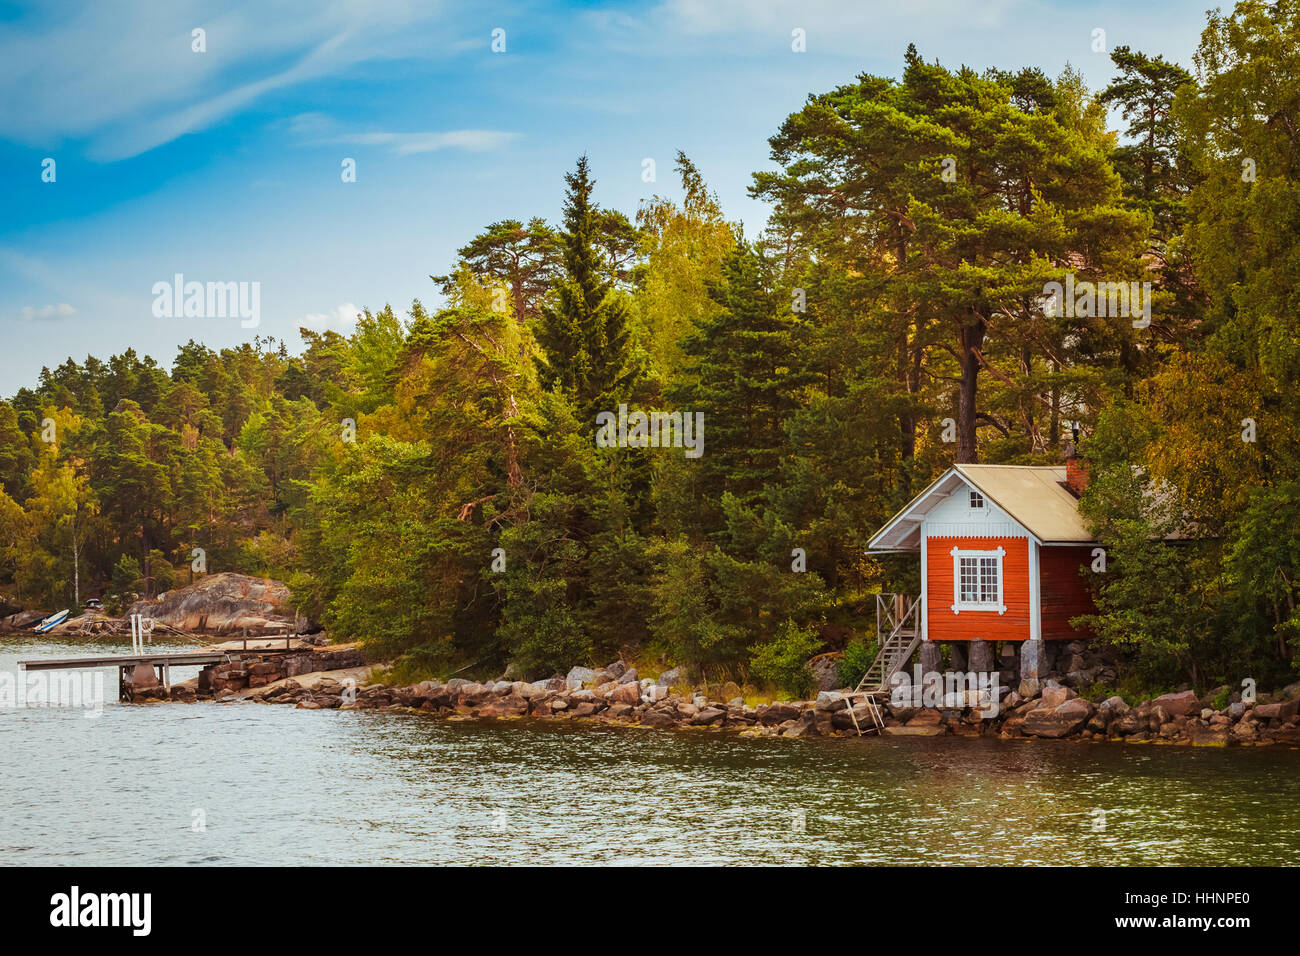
column 1151, row 164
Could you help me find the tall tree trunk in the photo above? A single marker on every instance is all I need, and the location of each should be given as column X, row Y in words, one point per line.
column 907, row 418
column 972, row 337
column 1054, row 433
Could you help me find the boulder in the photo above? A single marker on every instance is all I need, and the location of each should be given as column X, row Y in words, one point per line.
column 826, row 670
column 508, row 706
column 658, row 719
column 1179, row 705
column 925, row 730
column 926, row 717
column 1115, row 706
column 625, row 694
column 1278, row 711
column 578, row 676
column 1129, row 723
column 805, row 725
column 1058, row 721
column 1245, row 730
column 629, row 676
column 931, row 657
column 844, row 719
column 225, row 603
column 708, row 716
column 830, row 701
column 1054, row 695
column 777, row 713
column 670, row 677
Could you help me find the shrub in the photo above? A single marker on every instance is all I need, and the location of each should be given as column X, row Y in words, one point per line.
column 858, row 655
column 783, row 661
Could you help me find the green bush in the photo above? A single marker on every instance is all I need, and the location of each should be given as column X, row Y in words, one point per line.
column 126, row 578
column 858, row 655
column 783, row 661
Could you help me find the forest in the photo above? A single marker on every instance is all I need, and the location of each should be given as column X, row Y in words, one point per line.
column 432, row 483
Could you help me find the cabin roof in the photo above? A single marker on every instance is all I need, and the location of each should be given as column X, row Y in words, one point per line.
column 1036, row 496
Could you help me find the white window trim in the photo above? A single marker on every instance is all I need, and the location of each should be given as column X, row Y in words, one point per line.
column 957, row 604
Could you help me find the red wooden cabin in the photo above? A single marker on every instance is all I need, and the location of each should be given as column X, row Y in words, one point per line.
column 1002, row 548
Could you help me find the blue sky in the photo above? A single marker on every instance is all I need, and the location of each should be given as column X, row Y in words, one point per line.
column 225, row 165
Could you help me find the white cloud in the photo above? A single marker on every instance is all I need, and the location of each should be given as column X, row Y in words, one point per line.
column 835, row 22
column 403, row 144
column 124, row 77
column 60, row 311
column 342, row 318
column 318, row 128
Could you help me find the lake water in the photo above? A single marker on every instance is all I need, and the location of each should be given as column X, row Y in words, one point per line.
column 251, row 783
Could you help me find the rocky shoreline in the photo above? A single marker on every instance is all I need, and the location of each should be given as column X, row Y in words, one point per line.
column 322, row 680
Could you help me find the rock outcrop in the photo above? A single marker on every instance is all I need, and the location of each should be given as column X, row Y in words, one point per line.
column 225, row 603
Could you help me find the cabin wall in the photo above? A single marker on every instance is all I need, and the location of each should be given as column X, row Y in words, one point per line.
column 942, row 624
column 1065, row 590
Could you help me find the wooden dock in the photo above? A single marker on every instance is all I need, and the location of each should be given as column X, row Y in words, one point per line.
column 162, row 662
column 126, row 664
column 180, row 658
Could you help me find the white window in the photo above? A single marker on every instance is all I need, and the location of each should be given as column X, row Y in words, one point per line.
column 976, row 500
column 977, row 580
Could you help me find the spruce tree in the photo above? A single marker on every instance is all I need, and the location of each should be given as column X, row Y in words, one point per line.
column 584, row 335
column 744, row 382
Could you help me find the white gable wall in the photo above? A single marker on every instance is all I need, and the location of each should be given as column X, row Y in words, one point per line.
column 955, row 518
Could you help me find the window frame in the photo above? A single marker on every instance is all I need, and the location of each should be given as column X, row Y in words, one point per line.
column 958, row 605
column 974, row 496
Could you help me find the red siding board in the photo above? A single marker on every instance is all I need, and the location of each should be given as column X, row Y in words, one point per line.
column 945, row 625
column 1065, row 591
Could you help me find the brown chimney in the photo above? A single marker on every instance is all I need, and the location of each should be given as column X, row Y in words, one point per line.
column 1076, row 474
column 1076, row 468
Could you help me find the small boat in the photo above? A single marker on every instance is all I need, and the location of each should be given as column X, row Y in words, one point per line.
column 54, row 620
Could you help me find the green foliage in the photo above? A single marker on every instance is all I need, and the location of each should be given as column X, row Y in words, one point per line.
column 858, row 655
column 783, row 661
column 126, row 577
column 432, row 488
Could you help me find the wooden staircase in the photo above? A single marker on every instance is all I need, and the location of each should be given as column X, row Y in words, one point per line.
column 898, row 632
